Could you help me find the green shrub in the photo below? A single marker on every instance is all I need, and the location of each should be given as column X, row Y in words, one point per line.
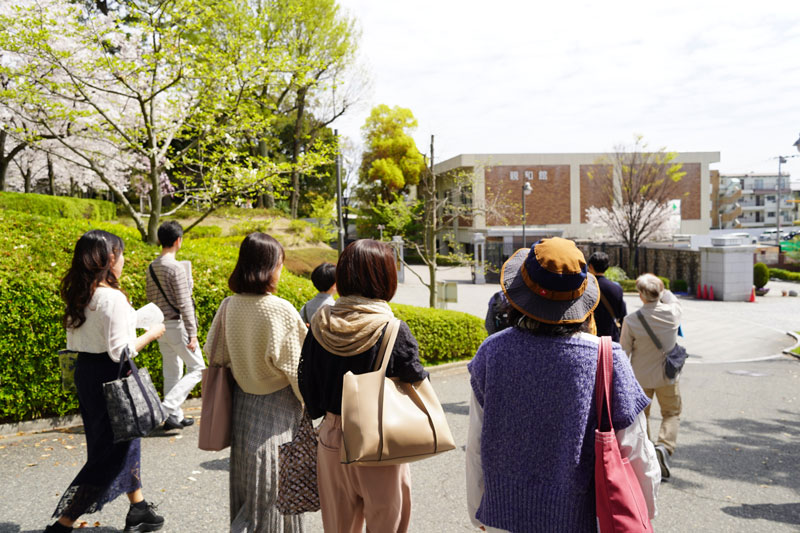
column 250, row 226
column 202, row 232
column 35, row 252
column 615, row 273
column 58, row 206
column 760, row 275
column 665, row 281
column 779, row 273
column 322, row 234
column 680, row 285
column 298, row 227
column 442, row 335
column 628, row 285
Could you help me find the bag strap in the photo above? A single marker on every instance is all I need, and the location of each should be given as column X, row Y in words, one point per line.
column 649, row 330
column 219, row 347
column 603, row 377
column 608, row 307
column 387, row 345
column 164, row 294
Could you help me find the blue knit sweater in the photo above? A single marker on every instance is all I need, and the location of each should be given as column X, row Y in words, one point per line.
column 537, row 442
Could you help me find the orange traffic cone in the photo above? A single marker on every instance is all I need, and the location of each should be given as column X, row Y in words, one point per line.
column 705, row 292
column 710, row 292
column 699, row 295
column 752, row 295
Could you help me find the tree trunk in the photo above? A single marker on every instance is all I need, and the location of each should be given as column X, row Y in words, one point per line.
column 155, row 205
column 26, row 177
column 296, row 145
column 3, row 161
column 51, row 176
column 269, row 196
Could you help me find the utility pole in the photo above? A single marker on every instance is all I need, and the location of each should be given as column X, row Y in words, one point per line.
column 339, row 191
column 430, row 233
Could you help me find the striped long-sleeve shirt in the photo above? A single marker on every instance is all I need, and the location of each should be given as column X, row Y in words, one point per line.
column 178, row 288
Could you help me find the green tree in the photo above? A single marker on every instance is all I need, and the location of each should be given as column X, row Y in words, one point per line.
column 391, row 161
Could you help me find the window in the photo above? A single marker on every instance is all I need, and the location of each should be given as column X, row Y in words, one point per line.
column 542, row 175
column 759, row 184
column 514, row 175
column 770, row 214
column 770, row 198
column 529, row 175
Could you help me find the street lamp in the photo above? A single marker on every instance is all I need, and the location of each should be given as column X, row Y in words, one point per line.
column 781, row 160
column 526, row 190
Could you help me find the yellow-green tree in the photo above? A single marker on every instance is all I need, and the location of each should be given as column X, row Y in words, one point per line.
column 391, row 161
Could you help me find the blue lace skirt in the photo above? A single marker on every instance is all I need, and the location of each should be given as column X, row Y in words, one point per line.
column 111, row 469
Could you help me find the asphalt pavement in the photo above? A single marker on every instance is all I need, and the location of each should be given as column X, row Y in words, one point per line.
column 735, row 468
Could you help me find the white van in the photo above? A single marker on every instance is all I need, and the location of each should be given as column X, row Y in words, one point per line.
column 771, row 234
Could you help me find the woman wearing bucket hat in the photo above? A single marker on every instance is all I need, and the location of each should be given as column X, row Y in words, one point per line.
column 530, row 448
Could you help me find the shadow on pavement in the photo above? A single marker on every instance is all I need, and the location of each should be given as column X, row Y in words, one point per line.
column 760, row 452
column 456, row 408
column 787, row 513
column 8, row 527
column 218, row 464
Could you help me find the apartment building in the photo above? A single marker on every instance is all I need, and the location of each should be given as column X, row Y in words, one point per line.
column 757, row 199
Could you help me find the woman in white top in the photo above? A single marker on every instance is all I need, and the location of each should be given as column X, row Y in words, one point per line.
column 101, row 325
column 263, row 335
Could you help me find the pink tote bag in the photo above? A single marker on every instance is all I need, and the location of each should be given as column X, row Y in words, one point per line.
column 620, row 504
column 217, row 389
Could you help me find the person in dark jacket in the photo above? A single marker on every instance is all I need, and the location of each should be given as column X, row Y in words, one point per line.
column 610, row 301
column 345, row 337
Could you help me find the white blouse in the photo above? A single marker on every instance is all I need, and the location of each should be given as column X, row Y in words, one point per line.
column 110, row 325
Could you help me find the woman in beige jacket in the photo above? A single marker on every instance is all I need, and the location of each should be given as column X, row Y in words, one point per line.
column 662, row 311
column 263, row 336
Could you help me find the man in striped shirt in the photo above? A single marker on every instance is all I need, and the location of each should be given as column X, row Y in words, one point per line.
column 169, row 285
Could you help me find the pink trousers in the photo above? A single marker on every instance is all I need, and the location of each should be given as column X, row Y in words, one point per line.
column 351, row 494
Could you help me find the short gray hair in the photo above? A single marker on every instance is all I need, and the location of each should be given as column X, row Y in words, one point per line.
column 650, row 287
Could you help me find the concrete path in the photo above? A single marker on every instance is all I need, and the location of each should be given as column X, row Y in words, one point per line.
column 735, row 469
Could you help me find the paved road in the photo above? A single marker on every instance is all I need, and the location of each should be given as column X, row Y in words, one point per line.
column 736, row 467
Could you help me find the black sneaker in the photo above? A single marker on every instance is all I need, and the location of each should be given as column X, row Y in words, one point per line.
column 170, row 424
column 663, row 460
column 146, row 519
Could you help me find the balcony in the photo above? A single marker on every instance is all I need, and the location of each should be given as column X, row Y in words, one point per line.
column 730, row 198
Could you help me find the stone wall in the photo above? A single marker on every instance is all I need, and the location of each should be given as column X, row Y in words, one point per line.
column 672, row 263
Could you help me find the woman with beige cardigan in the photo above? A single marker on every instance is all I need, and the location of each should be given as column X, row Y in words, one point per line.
column 263, row 336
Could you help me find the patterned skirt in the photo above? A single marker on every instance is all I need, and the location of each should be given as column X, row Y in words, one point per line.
column 111, row 469
column 261, row 423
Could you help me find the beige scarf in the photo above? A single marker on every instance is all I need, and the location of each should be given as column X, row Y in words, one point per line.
column 352, row 325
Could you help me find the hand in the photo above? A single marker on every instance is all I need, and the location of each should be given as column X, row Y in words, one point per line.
column 156, row 331
column 192, row 344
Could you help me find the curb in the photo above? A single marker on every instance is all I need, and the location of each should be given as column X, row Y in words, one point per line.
column 790, row 351
column 43, row 425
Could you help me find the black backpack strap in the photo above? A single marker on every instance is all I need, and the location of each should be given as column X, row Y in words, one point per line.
column 155, row 279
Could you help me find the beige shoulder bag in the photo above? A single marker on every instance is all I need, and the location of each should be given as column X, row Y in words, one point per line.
column 386, row 421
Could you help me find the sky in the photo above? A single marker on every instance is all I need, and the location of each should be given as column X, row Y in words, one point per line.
column 503, row 76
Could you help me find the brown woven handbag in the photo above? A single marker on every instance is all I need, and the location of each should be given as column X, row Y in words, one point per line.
column 297, row 467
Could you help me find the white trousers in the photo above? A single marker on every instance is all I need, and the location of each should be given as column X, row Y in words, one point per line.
column 174, row 354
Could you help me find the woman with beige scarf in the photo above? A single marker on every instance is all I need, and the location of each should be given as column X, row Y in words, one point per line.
column 345, row 338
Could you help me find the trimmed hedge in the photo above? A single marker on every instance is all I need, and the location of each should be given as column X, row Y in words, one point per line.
column 761, row 273
column 443, row 335
column 786, row 275
column 680, row 285
column 35, row 253
column 203, row 232
column 58, row 206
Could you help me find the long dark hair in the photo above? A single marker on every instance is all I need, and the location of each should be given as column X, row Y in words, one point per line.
column 94, row 255
column 367, row 268
column 254, row 273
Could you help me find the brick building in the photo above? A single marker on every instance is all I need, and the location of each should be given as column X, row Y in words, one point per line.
column 561, row 191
